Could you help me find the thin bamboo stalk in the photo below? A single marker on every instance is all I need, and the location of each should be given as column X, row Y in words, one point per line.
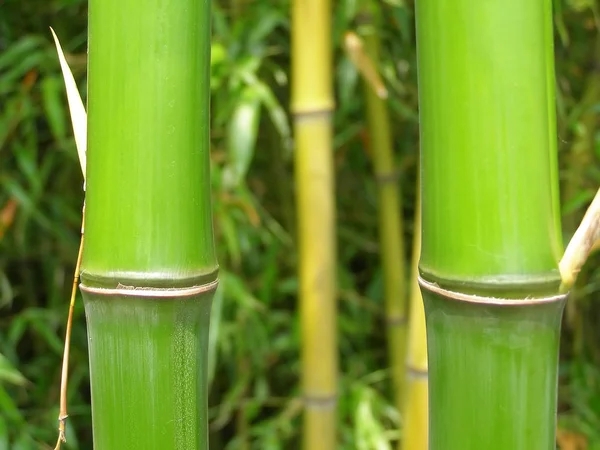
column 415, row 430
column 391, row 230
column 149, row 267
column 491, row 222
column 312, row 105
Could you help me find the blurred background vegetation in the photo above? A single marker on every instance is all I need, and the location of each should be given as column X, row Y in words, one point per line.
column 254, row 364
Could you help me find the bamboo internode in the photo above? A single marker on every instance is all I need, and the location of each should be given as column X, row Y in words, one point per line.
column 312, row 104
column 491, row 222
column 149, row 269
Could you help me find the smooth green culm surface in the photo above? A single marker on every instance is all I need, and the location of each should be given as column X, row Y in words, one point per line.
column 149, row 266
column 148, row 371
column 487, row 117
column 492, row 375
column 148, row 187
column 490, row 222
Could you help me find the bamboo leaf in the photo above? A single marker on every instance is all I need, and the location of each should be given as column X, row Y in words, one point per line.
column 53, row 107
column 9, row 373
column 76, row 108
column 275, row 111
column 8, row 406
column 4, row 444
column 243, row 130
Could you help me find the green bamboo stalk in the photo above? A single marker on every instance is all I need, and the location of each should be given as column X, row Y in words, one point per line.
column 312, row 106
column 391, row 230
column 491, row 225
column 149, row 266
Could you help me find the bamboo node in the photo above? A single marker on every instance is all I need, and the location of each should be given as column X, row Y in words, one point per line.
column 320, row 402
column 387, row 177
column 139, row 291
column 498, row 301
column 417, row 373
column 396, row 321
column 311, row 114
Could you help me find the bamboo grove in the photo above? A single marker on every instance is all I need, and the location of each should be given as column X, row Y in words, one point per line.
column 473, row 325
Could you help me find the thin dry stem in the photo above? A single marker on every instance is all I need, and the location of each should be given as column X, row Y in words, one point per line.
column 62, row 415
column 361, row 60
column 581, row 245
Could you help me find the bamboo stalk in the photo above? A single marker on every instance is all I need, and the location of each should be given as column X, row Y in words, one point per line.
column 415, row 430
column 149, row 269
column 391, row 229
column 491, row 222
column 312, row 106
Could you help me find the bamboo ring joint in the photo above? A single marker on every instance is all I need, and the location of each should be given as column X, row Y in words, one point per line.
column 459, row 296
column 134, row 291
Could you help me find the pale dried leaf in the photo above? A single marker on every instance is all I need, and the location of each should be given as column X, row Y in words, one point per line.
column 582, row 243
column 76, row 108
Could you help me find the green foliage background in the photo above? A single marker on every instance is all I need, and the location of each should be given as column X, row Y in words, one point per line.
column 254, row 336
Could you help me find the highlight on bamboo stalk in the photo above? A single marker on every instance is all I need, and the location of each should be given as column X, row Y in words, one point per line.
column 79, row 123
column 312, row 104
column 586, row 237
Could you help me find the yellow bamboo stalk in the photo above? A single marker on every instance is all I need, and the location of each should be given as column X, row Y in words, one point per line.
column 312, row 106
column 415, row 435
column 391, row 234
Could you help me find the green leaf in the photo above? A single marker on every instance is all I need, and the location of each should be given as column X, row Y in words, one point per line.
column 24, row 442
column 51, row 90
column 276, row 112
column 15, row 53
column 241, row 138
column 4, row 444
column 8, row 406
column 9, row 373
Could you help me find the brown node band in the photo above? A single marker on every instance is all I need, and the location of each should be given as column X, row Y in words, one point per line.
column 413, row 372
column 320, row 402
column 396, row 321
column 311, row 114
column 134, row 291
column 459, row 296
column 387, row 177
